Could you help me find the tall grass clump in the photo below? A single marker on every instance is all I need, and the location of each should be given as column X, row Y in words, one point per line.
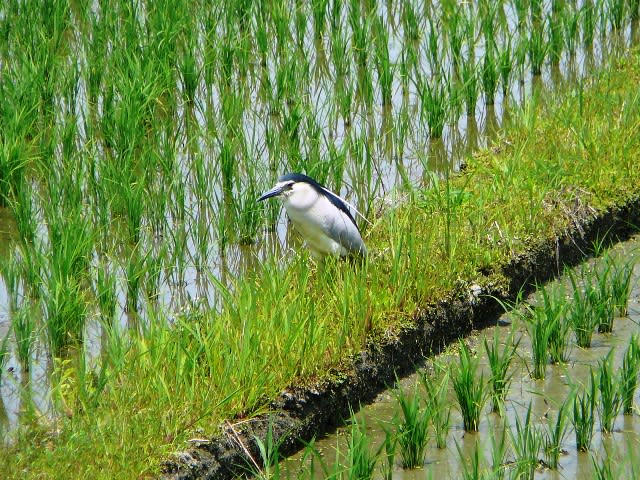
column 499, row 362
column 470, row 389
column 412, row 429
column 584, row 413
column 629, row 374
column 611, row 398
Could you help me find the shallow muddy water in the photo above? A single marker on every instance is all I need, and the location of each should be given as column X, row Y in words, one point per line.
column 544, row 396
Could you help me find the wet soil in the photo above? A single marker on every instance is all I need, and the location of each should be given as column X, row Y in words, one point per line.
column 301, row 413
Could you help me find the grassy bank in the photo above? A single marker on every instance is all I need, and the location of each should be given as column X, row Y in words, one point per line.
column 562, row 160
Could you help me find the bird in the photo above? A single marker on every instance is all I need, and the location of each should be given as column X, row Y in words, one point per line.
column 320, row 216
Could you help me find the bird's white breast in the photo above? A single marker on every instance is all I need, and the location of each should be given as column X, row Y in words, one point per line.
column 312, row 214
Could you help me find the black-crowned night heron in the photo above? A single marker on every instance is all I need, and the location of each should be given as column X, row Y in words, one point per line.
column 319, row 215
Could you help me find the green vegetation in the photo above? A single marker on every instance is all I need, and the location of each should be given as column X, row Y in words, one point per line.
column 412, row 427
column 469, row 387
column 499, row 362
column 584, row 414
column 554, row 436
column 629, row 374
column 135, row 136
column 527, row 442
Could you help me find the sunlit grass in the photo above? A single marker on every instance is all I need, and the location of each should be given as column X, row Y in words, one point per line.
column 132, row 135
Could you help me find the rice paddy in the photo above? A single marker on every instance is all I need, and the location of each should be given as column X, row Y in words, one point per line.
column 145, row 295
column 570, row 423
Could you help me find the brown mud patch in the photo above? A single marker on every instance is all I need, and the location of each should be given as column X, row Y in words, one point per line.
column 301, row 413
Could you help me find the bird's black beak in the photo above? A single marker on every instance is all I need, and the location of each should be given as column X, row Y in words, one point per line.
column 274, row 192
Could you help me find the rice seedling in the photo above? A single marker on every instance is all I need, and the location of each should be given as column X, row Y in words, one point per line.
column 434, row 105
column 598, row 291
column 23, row 324
column 603, row 470
column 359, row 35
column 127, row 61
column 453, row 25
column 247, row 213
column 4, row 353
column 633, row 7
column 490, row 75
column 319, row 10
column 539, row 328
column 390, row 445
column 24, row 212
column 361, row 461
column 571, row 26
column 10, row 272
column 505, row 65
column 269, row 449
column 13, row 160
column 581, row 315
column 135, row 268
column 383, row 62
column 470, row 85
column 554, row 307
column 616, row 13
column 629, row 374
column 470, row 389
column 105, row 293
column 527, row 443
column 611, row 398
column 556, row 35
column 537, row 48
column 498, row 451
column 433, row 40
column 588, row 22
column 521, row 7
column 554, row 436
column 436, row 399
column 499, row 362
column 620, row 286
column 470, row 467
column 411, row 429
column 66, row 312
column 583, row 418
column 410, row 22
